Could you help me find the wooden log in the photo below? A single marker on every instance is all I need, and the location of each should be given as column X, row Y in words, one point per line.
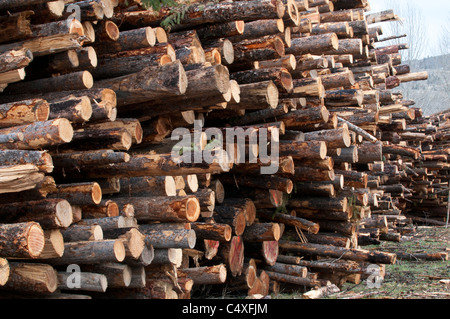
column 149, row 185
column 4, row 271
column 232, row 216
column 313, row 44
column 179, row 238
column 168, row 256
column 331, row 251
column 88, row 281
column 212, row 13
column 106, row 208
column 46, row 45
column 96, row 157
column 94, row 138
column 262, row 232
column 212, row 231
column 41, row 134
column 256, row 96
column 75, row 109
column 128, row 40
column 77, row 232
column 78, row 80
column 41, row 159
column 90, row 252
column 300, row 118
column 111, row 222
column 268, row 182
column 233, row 254
column 163, row 208
column 132, row 89
column 49, row 213
column 207, row 275
column 337, row 138
column 31, row 278
column 280, row 76
column 293, row 279
column 302, row 150
column 289, row 220
column 24, row 112
column 79, row 193
column 157, row 165
column 22, row 240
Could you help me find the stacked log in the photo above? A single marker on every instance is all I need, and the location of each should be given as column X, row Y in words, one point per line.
column 108, row 186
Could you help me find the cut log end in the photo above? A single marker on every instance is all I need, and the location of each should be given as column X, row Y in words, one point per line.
column 227, row 52
column 35, row 240
column 192, row 209
column 119, row 250
column 323, row 150
column 76, row 27
column 64, row 213
column 112, row 30
column 272, row 95
column 96, row 193
column 150, row 36
column 42, row 111
column 87, row 79
column 170, row 186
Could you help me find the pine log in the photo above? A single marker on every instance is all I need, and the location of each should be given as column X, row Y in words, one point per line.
column 41, row 134
column 163, row 208
column 49, row 213
column 90, row 252
column 4, row 271
column 79, row 193
column 289, row 220
column 301, row 150
column 75, row 109
column 41, row 159
column 212, row 231
column 336, row 252
column 87, row 281
column 233, row 254
column 32, row 278
column 169, row 80
column 78, row 80
column 313, row 44
column 77, row 232
column 22, row 240
column 207, row 275
column 179, row 238
column 262, row 232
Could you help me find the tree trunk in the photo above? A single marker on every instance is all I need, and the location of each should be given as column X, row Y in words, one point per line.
column 21, row 240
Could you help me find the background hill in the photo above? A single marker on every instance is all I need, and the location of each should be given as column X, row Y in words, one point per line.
column 432, row 95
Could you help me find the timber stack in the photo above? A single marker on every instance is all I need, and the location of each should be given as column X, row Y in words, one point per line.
column 98, row 201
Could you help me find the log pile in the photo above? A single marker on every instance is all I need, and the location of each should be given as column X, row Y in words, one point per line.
column 98, row 201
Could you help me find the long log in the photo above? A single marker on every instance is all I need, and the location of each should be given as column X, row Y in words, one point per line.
column 163, row 208
column 49, row 213
column 32, row 278
column 41, row 134
column 90, row 252
column 338, row 252
column 168, row 81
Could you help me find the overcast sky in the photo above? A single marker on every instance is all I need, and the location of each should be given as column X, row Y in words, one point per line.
column 435, row 12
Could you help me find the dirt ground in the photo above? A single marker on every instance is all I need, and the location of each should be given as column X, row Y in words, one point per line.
column 409, row 279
